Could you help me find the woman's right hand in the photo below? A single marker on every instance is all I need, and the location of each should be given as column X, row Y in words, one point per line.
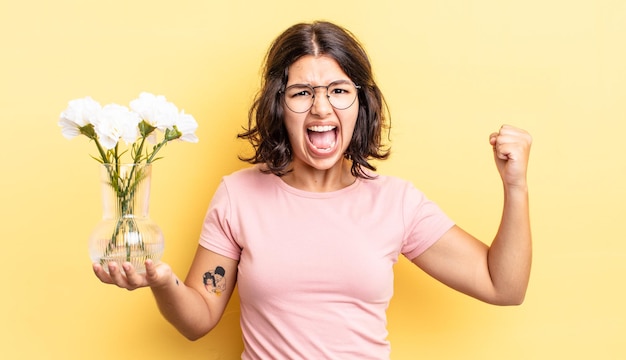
column 129, row 279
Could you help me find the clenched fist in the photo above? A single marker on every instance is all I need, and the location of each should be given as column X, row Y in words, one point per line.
column 511, row 149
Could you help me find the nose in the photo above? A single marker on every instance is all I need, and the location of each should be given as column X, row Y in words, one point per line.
column 321, row 104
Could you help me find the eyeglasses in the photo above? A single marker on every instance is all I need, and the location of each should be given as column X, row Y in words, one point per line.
column 299, row 98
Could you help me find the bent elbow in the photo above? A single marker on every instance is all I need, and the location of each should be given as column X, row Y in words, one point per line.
column 517, row 301
column 194, row 334
column 513, row 302
column 193, row 337
column 514, row 299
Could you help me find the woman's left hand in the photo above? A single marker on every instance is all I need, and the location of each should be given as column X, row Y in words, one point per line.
column 511, row 149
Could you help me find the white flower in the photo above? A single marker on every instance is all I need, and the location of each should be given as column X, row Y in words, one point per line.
column 186, row 125
column 116, row 122
column 155, row 110
column 107, row 125
column 79, row 113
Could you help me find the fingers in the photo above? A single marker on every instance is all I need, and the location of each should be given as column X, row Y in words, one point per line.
column 510, row 143
column 511, row 149
column 510, row 133
column 101, row 274
column 133, row 279
column 125, row 277
column 151, row 271
column 492, row 138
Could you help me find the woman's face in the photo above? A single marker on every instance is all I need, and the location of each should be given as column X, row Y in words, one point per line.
column 319, row 137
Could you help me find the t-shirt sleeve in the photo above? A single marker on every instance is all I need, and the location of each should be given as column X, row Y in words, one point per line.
column 425, row 223
column 217, row 232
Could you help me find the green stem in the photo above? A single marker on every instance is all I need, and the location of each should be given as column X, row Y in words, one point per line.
column 156, row 150
column 105, row 159
column 137, row 157
column 136, row 161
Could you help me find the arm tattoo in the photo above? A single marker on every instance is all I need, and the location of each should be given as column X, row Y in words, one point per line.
column 215, row 280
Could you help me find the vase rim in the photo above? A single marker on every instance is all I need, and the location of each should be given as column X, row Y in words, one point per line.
column 126, row 164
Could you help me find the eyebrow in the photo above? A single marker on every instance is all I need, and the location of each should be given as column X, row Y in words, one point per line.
column 340, row 81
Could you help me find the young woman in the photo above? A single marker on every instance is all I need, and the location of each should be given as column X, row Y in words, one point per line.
column 310, row 233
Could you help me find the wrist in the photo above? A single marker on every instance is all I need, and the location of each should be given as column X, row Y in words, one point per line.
column 166, row 283
column 521, row 187
column 515, row 194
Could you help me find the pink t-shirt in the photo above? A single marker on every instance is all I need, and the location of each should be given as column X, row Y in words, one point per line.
column 315, row 272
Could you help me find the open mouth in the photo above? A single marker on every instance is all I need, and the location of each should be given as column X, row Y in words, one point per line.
column 322, row 138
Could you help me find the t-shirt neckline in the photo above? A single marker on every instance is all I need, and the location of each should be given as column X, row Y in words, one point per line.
column 313, row 194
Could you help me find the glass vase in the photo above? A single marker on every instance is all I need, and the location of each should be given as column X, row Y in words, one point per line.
column 126, row 233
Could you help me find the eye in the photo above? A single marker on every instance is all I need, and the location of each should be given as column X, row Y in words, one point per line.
column 340, row 89
column 337, row 90
column 298, row 91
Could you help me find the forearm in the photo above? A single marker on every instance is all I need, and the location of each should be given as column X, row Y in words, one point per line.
column 184, row 308
column 510, row 254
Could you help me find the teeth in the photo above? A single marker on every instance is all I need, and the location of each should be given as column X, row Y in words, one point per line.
column 320, row 128
column 330, row 146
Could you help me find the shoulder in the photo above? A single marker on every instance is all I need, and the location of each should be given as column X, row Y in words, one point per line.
column 394, row 191
column 248, row 182
column 247, row 176
column 387, row 184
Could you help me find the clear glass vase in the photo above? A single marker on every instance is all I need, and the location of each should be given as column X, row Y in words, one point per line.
column 126, row 233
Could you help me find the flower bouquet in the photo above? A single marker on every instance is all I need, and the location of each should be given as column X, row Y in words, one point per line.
column 126, row 233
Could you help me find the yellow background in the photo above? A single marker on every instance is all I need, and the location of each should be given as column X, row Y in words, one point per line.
column 452, row 72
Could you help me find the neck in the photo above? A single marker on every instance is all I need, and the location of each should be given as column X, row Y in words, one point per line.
column 310, row 179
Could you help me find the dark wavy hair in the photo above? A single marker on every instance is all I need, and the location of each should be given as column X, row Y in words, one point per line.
column 266, row 130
